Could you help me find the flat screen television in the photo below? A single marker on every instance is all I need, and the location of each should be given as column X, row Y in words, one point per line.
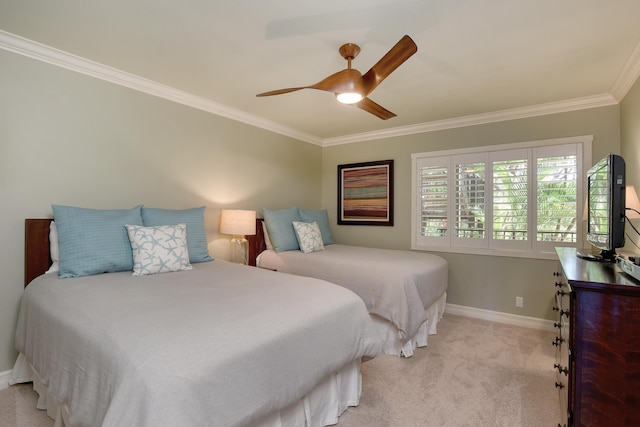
column 605, row 208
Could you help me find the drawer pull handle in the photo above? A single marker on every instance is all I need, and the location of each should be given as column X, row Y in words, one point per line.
column 557, row 341
column 557, row 325
column 560, row 386
column 561, row 369
column 558, row 284
column 561, row 293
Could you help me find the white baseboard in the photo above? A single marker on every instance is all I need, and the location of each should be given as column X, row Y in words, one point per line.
column 495, row 316
column 4, row 379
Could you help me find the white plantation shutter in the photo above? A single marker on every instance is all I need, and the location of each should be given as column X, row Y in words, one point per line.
column 557, row 196
column 433, row 184
column 469, row 215
column 507, row 199
column 510, row 199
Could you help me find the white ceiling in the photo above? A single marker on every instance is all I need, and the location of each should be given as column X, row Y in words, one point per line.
column 475, row 58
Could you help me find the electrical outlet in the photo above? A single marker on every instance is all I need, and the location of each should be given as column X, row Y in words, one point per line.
column 519, row 302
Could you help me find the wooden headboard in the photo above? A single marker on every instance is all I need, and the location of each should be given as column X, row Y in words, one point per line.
column 37, row 259
column 256, row 243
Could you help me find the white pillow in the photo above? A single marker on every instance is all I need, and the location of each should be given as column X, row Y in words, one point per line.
column 159, row 249
column 54, row 250
column 309, row 236
column 267, row 241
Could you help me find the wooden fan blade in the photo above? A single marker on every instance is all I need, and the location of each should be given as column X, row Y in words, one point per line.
column 281, row 91
column 342, row 81
column 388, row 63
column 377, row 110
column 347, row 80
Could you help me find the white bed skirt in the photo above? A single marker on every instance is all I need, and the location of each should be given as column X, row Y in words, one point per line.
column 321, row 407
column 390, row 337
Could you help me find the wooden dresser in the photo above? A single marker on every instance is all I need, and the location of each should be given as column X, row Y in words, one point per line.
column 598, row 343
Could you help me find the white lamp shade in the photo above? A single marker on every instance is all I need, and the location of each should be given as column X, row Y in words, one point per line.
column 632, row 202
column 238, row 222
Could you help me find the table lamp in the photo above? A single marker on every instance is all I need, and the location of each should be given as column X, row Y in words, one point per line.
column 238, row 223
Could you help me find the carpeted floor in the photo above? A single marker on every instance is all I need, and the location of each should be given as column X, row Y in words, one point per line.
column 473, row 373
column 18, row 408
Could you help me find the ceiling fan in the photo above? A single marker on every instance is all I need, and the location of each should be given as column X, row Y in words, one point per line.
column 352, row 87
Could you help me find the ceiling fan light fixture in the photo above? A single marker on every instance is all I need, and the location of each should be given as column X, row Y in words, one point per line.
column 349, row 97
column 352, row 87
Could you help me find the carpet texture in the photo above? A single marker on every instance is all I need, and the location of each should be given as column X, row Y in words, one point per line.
column 18, row 408
column 473, row 373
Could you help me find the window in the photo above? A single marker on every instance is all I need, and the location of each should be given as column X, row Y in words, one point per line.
column 517, row 199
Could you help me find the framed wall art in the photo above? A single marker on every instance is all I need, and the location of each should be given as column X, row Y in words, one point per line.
column 365, row 193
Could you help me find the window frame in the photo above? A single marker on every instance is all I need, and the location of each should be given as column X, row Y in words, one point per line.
column 530, row 248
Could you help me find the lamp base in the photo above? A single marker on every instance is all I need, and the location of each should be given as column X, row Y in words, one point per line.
column 239, row 250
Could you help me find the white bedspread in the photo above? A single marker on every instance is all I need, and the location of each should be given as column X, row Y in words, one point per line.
column 222, row 344
column 395, row 285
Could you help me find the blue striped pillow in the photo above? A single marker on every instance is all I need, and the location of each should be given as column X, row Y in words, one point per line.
column 321, row 217
column 193, row 218
column 280, row 228
column 94, row 241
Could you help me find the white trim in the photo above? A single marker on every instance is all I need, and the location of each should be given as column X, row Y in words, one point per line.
column 584, row 139
column 628, row 76
column 4, row 379
column 50, row 55
column 575, row 104
column 495, row 316
column 31, row 49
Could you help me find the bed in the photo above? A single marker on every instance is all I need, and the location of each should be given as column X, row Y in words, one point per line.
column 404, row 291
column 216, row 344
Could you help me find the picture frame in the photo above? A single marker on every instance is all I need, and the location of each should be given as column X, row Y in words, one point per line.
column 365, row 193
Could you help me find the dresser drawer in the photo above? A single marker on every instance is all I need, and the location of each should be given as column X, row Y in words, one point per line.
column 561, row 343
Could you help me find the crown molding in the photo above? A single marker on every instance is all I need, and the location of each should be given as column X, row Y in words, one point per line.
column 25, row 47
column 628, row 75
column 31, row 49
column 479, row 119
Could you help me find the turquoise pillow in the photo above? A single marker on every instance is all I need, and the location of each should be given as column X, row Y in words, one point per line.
column 321, row 217
column 94, row 241
column 193, row 218
column 280, row 228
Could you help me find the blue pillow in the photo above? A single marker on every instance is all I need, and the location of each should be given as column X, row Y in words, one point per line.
column 193, row 218
column 94, row 241
column 321, row 217
column 280, row 228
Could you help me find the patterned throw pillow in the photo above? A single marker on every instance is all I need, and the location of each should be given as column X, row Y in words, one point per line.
column 309, row 237
column 159, row 249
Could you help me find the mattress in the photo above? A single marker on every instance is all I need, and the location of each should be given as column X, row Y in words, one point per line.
column 222, row 344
